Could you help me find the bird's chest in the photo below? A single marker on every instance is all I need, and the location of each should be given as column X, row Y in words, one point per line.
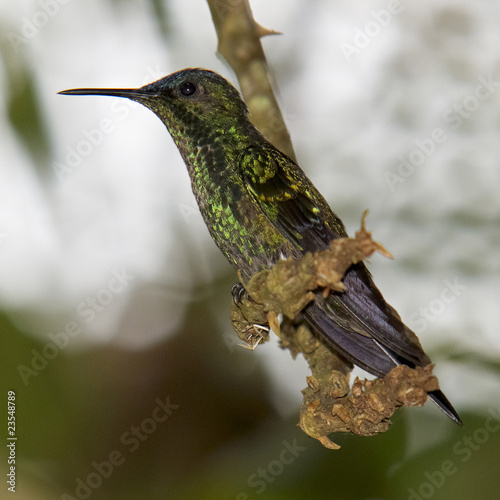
column 237, row 225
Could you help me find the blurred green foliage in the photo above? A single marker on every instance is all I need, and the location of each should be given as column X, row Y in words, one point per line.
column 24, row 107
column 224, row 440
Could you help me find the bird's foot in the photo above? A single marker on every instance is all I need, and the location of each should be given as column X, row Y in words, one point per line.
column 254, row 335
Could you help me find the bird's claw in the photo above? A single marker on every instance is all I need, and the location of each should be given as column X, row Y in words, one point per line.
column 238, row 291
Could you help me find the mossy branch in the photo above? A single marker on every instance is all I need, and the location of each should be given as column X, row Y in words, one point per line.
column 329, row 405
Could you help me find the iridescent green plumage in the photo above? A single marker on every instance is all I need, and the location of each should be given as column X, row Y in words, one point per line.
column 213, row 136
column 259, row 206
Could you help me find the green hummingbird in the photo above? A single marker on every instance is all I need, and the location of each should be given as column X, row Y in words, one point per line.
column 259, row 207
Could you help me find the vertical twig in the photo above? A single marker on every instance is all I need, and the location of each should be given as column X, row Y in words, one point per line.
column 239, row 43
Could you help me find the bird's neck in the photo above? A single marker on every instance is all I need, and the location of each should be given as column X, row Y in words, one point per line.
column 211, row 148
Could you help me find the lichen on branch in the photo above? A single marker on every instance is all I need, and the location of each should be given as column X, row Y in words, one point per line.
column 329, row 404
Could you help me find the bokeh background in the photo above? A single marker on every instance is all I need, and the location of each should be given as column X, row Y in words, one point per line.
column 115, row 332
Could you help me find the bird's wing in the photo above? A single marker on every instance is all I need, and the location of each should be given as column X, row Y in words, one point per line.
column 288, row 199
column 297, row 210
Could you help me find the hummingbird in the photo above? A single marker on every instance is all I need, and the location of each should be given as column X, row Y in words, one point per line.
column 259, row 207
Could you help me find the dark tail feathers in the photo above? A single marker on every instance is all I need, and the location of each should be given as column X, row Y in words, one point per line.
column 442, row 401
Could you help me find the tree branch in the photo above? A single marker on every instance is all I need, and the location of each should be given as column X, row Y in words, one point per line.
column 239, row 43
column 329, row 406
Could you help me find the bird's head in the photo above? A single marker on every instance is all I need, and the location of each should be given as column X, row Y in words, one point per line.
column 191, row 100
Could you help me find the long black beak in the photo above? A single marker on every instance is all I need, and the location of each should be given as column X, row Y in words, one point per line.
column 134, row 94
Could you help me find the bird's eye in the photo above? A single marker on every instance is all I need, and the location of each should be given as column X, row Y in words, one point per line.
column 187, row 88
